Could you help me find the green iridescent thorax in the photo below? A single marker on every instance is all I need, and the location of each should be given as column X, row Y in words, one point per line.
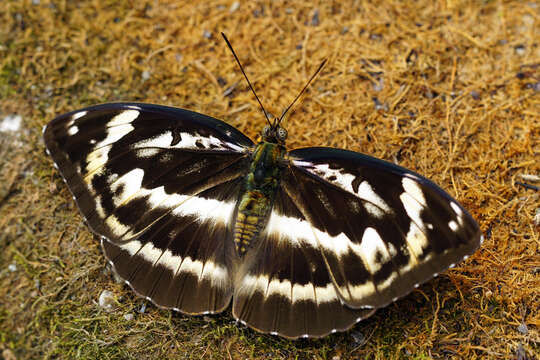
column 258, row 195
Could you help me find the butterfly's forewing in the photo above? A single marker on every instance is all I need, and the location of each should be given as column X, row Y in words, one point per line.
column 284, row 286
column 159, row 185
column 381, row 229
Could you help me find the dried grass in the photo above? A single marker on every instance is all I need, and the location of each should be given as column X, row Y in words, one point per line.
column 447, row 88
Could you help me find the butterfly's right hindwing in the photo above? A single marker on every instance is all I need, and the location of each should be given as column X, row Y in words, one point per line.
column 285, row 287
column 159, row 185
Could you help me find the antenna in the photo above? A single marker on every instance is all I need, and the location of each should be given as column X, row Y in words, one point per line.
column 304, row 89
column 243, row 72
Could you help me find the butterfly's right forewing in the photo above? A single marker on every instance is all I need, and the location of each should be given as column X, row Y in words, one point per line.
column 382, row 229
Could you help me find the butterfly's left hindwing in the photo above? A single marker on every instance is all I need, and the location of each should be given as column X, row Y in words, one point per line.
column 159, row 185
column 381, row 229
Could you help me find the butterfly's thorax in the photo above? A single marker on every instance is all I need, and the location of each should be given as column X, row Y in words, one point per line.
column 258, row 195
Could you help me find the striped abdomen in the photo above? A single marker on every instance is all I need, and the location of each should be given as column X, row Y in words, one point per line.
column 252, row 215
column 257, row 199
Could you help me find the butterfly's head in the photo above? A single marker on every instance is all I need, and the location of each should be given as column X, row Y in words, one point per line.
column 274, row 133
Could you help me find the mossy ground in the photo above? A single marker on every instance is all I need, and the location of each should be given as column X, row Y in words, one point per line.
column 449, row 89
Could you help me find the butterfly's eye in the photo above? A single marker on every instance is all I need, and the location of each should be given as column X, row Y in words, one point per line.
column 267, row 131
column 281, row 134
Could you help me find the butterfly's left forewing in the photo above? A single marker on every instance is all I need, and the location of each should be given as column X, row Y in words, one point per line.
column 381, row 229
column 159, row 185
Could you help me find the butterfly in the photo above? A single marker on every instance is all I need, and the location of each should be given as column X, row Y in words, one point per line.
column 194, row 216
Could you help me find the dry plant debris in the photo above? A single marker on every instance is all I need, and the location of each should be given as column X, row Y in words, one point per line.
column 447, row 88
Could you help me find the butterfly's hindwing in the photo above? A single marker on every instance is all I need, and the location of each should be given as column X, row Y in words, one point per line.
column 284, row 286
column 381, row 228
column 160, row 185
column 183, row 259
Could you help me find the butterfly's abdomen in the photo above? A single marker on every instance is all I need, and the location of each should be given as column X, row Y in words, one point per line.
column 257, row 198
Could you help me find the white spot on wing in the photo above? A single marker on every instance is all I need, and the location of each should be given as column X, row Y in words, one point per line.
column 130, row 183
column 370, row 247
column 95, row 161
column 206, row 209
column 303, row 164
column 456, row 209
column 99, row 208
column 119, row 127
column 147, row 152
column 416, row 243
column 284, row 288
column 413, row 208
column 208, row 270
column 78, row 115
column 114, row 134
column 387, row 282
column 359, row 291
column 375, row 205
column 160, row 141
column 453, row 225
column 73, row 130
column 365, row 192
column 416, row 240
column 342, row 179
column 187, row 141
column 298, row 231
column 412, row 188
column 117, row 227
column 125, row 117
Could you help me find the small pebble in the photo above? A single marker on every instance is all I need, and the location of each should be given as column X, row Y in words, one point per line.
column 379, row 85
column 7, row 354
column 128, row 317
column 530, row 177
column 536, row 219
column 12, row 267
column 315, row 19
column 143, row 308
column 522, row 328
column 520, row 50
column 235, row 6
column 10, row 123
column 106, row 300
column 358, row 337
column 145, row 75
column 117, row 278
column 207, row 34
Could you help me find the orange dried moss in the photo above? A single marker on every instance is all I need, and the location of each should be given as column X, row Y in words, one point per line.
column 447, row 88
